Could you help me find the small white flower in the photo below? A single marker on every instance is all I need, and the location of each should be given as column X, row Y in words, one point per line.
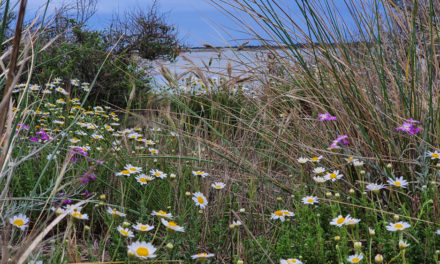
column 200, row 200
column 398, row 182
column 355, row 258
column 125, row 231
column 319, row 170
column 142, row 250
column 399, row 226
column 202, row 255
column 333, row 176
column 20, row 221
column 200, row 173
column 218, row 185
column 303, row 160
column 310, row 200
column 142, row 228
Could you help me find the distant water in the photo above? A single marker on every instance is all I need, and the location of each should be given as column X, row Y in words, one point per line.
column 216, row 62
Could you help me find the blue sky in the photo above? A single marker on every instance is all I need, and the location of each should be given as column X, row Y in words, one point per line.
column 198, row 21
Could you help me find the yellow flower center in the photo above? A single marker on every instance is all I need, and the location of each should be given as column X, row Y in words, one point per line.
column 218, row 186
column 199, row 172
column 279, row 213
column 125, row 233
column 310, row 200
column 355, row 260
column 340, row 220
column 125, row 172
column 314, row 159
column 157, row 174
column 162, row 212
column 350, row 159
column 133, row 169
column 202, row 254
column 200, row 199
column 435, row 155
column 143, row 227
column 399, row 226
column 77, row 215
column 397, row 183
column 142, row 251
column 333, row 176
column 18, row 222
column 290, row 261
column 171, row 223
column 143, row 179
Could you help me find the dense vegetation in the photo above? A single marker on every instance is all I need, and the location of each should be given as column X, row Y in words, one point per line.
column 328, row 153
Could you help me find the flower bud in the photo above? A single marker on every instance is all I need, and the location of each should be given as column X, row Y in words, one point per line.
column 126, row 224
column 172, row 176
column 188, row 194
column 357, row 244
column 362, row 172
column 371, row 231
column 337, row 238
column 396, row 217
column 240, row 262
column 242, row 210
column 200, row 211
column 279, row 199
column 102, row 197
column 170, row 246
column 378, row 258
column 86, row 227
column 389, row 165
column 337, row 195
column 351, row 191
column 328, row 194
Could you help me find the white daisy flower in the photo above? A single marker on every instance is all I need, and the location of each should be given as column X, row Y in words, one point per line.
column 281, row 214
column 339, row 221
column 202, row 255
column 133, row 169
column 303, row 160
column 153, row 151
column 355, row 258
column 78, row 215
column 115, row 212
column 351, row 221
column 351, row 160
column 290, row 261
column 142, row 250
column 319, row 179
column 162, row 214
column 398, row 182
column 142, row 228
column 319, row 170
column 172, row 225
column 310, row 200
column 315, row 159
column 399, row 226
column 200, row 200
column 125, row 231
column 143, row 179
column 218, row 185
column 374, row 187
column 433, row 155
column 333, row 176
column 158, row 174
column 20, row 221
column 75, row 82
column 200, row 173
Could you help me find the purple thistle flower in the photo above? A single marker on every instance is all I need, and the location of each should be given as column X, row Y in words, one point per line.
column 327, row 117
column 34, row 139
